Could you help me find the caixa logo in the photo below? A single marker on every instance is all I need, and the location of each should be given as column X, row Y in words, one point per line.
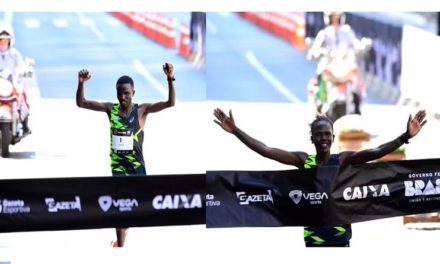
column 245, row 199
column 122, row 204
column 422, row 188
column 55, row 206
column 312, row 198
column 362, row 192
column 177, row 201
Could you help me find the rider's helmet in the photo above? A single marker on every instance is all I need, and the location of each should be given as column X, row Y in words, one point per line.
column 6, row 33
column 328, row 17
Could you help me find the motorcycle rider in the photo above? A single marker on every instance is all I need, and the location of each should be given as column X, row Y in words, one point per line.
column 336, row 38
column 12, row 61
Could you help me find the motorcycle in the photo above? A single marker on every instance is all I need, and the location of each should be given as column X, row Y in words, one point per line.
column 12, row 114
column 334, row 92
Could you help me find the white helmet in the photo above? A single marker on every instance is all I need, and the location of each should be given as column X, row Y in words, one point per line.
column 6, row 32
column 327, row 18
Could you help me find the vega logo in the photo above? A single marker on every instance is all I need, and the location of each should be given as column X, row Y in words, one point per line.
column 123, row 204
column 295, row 195
column 313, row 198
column 105, row 202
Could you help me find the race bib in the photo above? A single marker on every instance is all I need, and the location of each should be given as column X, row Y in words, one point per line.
column 122, row 141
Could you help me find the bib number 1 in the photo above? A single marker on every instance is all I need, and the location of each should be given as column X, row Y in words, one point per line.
column 122, row 141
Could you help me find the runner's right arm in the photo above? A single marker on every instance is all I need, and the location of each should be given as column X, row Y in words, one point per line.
column 81, row 101
column 296, row 158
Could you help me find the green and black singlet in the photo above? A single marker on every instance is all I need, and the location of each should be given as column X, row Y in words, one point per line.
column 326, row 236
column 126, row 139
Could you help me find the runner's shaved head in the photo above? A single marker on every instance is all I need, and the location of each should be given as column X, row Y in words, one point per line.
column 125, row 79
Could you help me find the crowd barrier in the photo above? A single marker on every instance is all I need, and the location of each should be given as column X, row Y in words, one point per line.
column 184, row 40
column 287, row 25
column 155, row 26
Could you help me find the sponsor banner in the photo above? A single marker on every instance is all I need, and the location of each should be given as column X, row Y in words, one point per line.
column 327, row 196
column 13, row 206
column 268, row 198
column 101, row 202
column 379, row 190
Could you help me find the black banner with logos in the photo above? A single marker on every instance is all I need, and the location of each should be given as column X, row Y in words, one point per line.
column 379, row 190
column 101, row 202
column 322, row 196
column 268, row 198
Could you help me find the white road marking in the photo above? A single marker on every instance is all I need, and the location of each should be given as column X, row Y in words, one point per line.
column 114, row 22
column 225, row 14
column 211, row 27
column 60, row 23
column 144, row 72
column 86, row 21
column 277, row 84
column 32, row 23
column 91, row 24
column 8, row 18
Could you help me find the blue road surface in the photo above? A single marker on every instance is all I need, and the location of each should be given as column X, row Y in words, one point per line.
column 246, row 63
column 231, row 76
column 64, row 43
